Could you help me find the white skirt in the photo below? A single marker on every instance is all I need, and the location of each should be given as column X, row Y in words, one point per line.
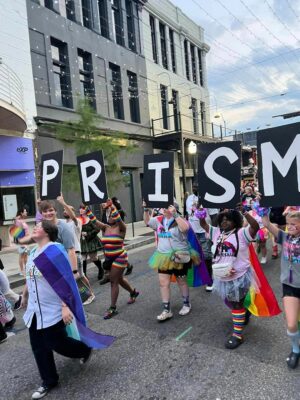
column 236, row 289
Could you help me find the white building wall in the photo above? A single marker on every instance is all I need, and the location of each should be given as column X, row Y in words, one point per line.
column 15, row 50
column 184, row 28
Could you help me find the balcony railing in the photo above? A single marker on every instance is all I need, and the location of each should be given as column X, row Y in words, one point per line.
column 11, row 88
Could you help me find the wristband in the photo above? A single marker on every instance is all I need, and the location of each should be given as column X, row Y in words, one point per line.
column 146, row 209
column 115, row 215
column 176, row 215
column 90, row 214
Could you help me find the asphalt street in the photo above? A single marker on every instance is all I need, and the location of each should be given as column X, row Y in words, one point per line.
column 183, row 358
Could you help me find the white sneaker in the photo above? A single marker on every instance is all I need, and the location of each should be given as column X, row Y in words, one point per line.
column 165, row 315
column 89, row 300
column 263, row 260
column 185, row 309
column 40, row 392
column 208, row 288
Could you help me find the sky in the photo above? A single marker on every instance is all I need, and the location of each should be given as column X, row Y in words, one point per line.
column 253, row 64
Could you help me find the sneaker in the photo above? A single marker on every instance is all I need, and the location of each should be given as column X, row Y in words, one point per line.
column 89, row 300
column 129, row 269
column 87, row 358
column 208, row 289
column 111, row 312
column 185, row 309
column 7, row 335
column 263, row 260
column 133, row 297
column 292, row 360
column 18, row 303
column 165, row 315
column 104, row 280
column 42, row 391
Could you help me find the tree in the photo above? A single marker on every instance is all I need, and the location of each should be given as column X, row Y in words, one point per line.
column 86, row 136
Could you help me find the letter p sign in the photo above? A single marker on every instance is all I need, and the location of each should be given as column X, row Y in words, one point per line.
column 51, row 174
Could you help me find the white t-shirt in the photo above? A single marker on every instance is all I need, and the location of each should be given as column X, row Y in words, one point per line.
column 77, row 233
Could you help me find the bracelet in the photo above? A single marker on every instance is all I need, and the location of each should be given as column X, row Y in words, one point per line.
column 176, row 215
column 146, row 209
column 75, row 271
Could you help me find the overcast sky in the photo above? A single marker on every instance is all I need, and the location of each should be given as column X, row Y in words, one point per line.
column 254, row 61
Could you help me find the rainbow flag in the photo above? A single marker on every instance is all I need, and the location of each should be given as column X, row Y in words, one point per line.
column 260, row 300
column 16, row 232
column 54, row 265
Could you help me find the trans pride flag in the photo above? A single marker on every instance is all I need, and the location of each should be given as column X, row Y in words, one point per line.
column 55, row 267
column 260, row 300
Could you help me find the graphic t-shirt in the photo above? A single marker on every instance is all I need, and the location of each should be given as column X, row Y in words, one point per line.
column 290, row 259
column 227, row 251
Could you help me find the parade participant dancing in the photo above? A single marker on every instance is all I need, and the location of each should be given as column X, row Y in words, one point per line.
column 90, row 242
column 52, row 301
column 231, row 264
column 290, row 278
column 116, row 257
column 172, row 257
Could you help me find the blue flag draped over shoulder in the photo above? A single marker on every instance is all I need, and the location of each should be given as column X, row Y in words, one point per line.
column 55, row 267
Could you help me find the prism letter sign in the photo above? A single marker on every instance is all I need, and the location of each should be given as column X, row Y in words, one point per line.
column 92, row 178
column 158, row 181
column 51, row 175
column 219, row 174
column 279, row 165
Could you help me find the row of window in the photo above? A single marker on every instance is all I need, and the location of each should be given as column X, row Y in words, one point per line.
column 175, row 103
column 85, row 16
column 63, row 88
column 191, row 52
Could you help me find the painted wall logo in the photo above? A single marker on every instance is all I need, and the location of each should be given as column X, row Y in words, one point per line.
column 22, row 149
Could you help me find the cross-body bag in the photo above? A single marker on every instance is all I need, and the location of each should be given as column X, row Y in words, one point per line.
column 222, row 270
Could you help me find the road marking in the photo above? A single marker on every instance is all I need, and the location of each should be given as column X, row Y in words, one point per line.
column 184, row 333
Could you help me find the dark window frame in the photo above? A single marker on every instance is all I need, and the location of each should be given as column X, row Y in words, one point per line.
column 131, row 33
column 103, row 18
column 175, row 98
column 203, row 117
column 153, row 38
column 172, row 48
column 194, row 66
column 163, row 45
column 117, row 16
column 195, row 116
column 186, row 59
column 87, row 14
column 200, row 66
column 133, row 93
column 117, row 91
column 164, row 105
column 86, row 76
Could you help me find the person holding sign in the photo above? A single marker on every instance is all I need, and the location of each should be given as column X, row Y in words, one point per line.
column 172, row 257
column 290, row 276
column 231, row 265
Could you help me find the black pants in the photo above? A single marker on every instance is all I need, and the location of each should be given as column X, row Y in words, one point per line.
column 45, row 341
column 3, row 334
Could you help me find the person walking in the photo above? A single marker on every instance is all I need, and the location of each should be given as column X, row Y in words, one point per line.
column 20, row 222
column 10, row 295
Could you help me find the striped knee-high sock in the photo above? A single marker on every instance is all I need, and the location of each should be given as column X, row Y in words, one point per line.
column 238, row 319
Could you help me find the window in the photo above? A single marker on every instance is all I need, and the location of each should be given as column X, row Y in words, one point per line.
column 49, row 4
column 87, row 87
column 70, row 10
column 203, row 118
column 87, row 18
column 163, row 45
column 117, row 21
column 164, row 105
column 153, row 39
column 61, row 74
column 195, row 115
column 200, row 61
column 175, row 110
column 130, row 26
column 172, row 47
column 116, row 91
column 194, row 67
column 186, row 57
column 102, row 9
column 133, row 93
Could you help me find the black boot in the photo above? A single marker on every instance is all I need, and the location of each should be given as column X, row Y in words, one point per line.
column 84, row 264
column 98, row 264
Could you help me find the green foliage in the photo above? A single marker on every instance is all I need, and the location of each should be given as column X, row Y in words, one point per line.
column 87, row 136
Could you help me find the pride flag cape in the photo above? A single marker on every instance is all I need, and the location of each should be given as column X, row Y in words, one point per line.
column 260, row 300
column 198, row 274
column 54, row 265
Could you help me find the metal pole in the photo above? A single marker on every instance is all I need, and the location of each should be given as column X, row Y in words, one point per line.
column 221, row 130
column 132, row 202
column 183, row 164
column 224, row 127
column 212, row 130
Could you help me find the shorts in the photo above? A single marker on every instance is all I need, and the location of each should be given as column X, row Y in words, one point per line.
column 177, row 272
column 23, row 250
column 290, row 291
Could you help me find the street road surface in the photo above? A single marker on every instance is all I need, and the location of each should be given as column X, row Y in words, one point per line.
column 183, row 358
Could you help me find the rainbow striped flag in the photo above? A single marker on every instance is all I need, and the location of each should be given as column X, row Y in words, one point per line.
column 260, row 300
column 54, row 265
column 17, row 232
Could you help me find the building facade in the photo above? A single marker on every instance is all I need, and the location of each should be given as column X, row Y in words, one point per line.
column 92, row 49
column 17, row 110
column 175, row 54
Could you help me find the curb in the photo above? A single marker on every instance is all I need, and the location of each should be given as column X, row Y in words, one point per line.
column 17, row 281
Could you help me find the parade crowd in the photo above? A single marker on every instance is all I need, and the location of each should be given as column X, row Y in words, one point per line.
column 223, row 249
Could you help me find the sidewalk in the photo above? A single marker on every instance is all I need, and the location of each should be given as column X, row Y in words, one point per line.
column 142, row 236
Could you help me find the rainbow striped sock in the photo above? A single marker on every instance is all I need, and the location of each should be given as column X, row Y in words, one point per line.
column 238, row 319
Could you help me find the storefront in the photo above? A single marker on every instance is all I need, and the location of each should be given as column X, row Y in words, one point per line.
column 17, row 181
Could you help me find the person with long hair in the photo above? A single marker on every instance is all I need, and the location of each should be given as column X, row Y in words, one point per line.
column 290, row 278
column 231, row 265
column 20, row 221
